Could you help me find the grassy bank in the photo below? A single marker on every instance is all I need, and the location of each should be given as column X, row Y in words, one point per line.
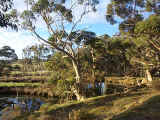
column 106, row 107
column 149, row 110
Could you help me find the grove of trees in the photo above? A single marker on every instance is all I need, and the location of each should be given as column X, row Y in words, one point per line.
column 78, row 56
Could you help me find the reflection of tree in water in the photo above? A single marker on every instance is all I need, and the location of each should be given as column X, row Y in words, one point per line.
column 12, row 107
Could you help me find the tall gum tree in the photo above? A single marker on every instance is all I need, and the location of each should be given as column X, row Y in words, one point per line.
column 148, row 34
column 61, row 25
column 129, row 13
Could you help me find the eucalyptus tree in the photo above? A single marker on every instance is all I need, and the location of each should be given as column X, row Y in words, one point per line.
column 149, row 31
column 97, row 47
column 40, row 52
column 34, row 56
column 58, row 18
column 128, row 12
column 148, row 39
column 8, row 16
column 118, row 56
column 7, row 55
column 131, row 16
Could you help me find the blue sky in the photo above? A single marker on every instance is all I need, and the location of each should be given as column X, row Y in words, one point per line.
column 95, row 22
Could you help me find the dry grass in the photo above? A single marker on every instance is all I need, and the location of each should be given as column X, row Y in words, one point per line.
column 97, row 108
column 149, row 110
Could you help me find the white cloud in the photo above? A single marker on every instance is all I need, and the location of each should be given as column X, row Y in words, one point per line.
column 99, row 15
column 16, row 40
column 93, row 17
column 20, row 5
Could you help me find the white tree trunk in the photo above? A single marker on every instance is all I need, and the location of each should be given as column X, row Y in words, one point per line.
column 76, row 71
column 149, row 76
column 93, row 68
column 76, row 89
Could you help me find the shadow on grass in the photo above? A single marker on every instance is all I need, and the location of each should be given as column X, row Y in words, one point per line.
column 52, row 110
column 149, row 110
column 96, row 101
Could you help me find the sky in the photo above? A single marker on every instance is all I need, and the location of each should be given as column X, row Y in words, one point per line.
column 95, row 22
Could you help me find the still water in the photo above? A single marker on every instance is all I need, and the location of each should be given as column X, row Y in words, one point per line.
column 13, row 106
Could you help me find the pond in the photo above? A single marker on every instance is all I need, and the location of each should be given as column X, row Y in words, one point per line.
column 12, row 106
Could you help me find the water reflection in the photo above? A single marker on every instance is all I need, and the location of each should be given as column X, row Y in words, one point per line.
column 100, row 86
column 8, row 105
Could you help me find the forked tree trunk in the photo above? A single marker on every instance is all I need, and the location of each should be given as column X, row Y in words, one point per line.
column 77, row 88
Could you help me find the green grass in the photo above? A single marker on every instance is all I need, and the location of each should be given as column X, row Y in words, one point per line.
column 149, row 110
column 29, row 73
column 102, row 107
column 13, row 84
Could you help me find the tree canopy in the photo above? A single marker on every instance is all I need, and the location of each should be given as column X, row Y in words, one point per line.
column 8, row 17
column 149, row 31
column 129, row 12
column 7, row 53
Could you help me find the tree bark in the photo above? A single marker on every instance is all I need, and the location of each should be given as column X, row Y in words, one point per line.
column 77, row 71
column 77, row 89
column 93, row 67
column 149, row 76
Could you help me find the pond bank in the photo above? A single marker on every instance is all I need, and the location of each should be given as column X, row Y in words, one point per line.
column 97, row 108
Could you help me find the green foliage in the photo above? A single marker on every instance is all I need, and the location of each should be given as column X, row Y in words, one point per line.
column 7, row 56
column 147, row 38
column 53, row 79
column 8, row 53
column 140, row 37
column 149, row 27
column 57, row 62
column 130, row 12
column 7, row 16
column 62, row 76
column 63, row 85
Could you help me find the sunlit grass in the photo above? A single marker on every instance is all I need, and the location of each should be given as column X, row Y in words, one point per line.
column 13, row 84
